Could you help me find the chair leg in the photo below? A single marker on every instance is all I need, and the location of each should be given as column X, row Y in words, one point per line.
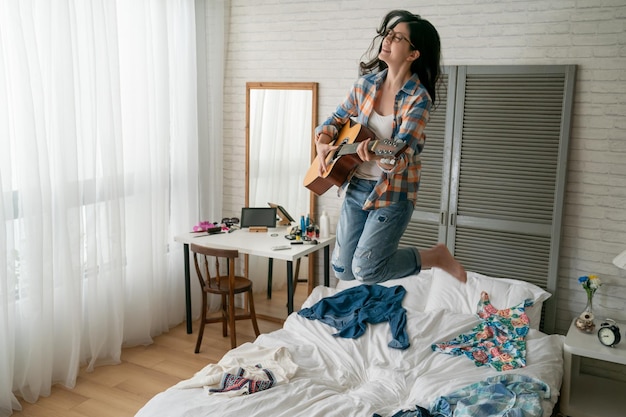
column 252, row 313
column 202, row 322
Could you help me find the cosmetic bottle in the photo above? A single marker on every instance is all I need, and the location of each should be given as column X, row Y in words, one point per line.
column 324, row 225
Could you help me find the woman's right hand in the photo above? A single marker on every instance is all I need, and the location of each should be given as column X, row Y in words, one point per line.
column 323, row 148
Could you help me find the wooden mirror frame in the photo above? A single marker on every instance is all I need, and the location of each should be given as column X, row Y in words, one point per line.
column 309, row 86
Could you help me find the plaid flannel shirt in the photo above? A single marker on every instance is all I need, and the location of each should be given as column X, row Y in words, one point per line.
column 411, row 113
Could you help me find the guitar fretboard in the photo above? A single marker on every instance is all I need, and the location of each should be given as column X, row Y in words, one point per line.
column 380, row 147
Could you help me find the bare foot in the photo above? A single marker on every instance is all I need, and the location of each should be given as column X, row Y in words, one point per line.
column 439, row 256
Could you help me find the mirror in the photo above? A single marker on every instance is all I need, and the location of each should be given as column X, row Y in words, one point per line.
column 280, row 123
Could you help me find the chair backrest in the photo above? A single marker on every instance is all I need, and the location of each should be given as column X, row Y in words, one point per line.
column 205, row 277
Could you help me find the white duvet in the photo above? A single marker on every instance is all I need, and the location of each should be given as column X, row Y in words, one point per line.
column 360, row 377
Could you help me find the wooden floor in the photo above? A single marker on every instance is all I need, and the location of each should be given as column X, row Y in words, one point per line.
column 121, row 390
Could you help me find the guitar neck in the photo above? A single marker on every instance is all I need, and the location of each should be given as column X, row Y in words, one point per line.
column 381, row 147
column 350, row 148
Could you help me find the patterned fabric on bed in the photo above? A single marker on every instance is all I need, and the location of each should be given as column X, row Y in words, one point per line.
column 242, row 385
column 497, row 341
column 510, row 395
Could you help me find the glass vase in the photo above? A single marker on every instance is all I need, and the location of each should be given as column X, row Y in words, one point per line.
column 584, row 322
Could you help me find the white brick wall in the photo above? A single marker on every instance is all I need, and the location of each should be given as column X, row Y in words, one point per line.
column 322, row 41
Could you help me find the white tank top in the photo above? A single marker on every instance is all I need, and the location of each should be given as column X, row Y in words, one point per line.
column 382, row 127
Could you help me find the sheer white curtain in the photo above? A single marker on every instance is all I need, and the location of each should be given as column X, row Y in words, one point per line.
column 98, row 171
column 213, row 25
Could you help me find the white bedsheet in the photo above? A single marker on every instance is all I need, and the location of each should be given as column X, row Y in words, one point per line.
column 360, row 377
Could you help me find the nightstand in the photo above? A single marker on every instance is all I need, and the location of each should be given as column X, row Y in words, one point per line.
column 584, row 395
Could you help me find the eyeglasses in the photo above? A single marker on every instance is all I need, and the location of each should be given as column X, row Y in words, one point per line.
column 229, row 221
column 397, row 37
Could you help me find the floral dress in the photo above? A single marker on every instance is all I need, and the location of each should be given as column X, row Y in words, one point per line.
column 498, row 340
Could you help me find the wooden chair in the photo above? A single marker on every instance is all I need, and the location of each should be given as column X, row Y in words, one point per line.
column 226, row 287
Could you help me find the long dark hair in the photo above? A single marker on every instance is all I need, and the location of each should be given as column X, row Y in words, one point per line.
column 426, row 40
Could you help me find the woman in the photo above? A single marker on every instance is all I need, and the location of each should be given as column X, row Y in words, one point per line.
column 393, row 99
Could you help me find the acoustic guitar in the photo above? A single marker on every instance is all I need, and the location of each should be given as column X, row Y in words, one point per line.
column 342, row 161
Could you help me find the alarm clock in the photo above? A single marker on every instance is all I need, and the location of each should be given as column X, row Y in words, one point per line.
column 608, row 333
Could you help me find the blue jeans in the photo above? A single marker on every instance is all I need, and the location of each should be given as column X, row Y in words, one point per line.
column 367, row 240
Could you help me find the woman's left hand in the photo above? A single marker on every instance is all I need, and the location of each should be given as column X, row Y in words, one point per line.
column 362, row 150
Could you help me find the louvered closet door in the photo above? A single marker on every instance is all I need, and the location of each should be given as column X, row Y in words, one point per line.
column 425, row 229
column 493, row 172
column 510, row 141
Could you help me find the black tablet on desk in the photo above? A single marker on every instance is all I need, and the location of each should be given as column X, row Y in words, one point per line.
column 258, row 217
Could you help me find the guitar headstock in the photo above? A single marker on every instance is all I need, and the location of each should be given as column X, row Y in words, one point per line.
column 388, row 148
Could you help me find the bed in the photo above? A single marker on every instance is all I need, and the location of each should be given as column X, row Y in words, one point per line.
column 320, row 374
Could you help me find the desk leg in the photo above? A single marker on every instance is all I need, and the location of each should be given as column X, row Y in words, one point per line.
column 270, row 269
column 326, row 266
column 187, row 289
column 289, row 287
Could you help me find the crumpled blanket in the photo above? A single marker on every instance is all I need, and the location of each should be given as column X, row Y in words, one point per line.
column 510, row 395
column 498, row 340
column 247, row 363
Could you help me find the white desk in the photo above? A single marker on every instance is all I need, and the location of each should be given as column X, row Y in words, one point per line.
column 259, row 244
column 584, row 395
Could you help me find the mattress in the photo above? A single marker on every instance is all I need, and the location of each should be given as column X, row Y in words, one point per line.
column 337, row 376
